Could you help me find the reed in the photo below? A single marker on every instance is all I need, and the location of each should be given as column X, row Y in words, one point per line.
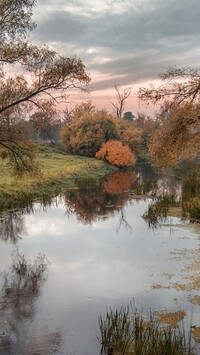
column 125, row 331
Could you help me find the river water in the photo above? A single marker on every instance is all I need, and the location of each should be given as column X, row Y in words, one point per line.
column 100, row 252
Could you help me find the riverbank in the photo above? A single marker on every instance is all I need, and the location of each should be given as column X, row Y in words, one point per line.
column 57, row 172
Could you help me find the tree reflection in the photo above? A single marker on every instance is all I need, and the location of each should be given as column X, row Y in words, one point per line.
column 157, row 211
column 120, row 182
column 191, row 192
column 20, row 289
column 182, row 192
column 98, row 200
column 21, row 284
column 12, row 227
column 166, row 193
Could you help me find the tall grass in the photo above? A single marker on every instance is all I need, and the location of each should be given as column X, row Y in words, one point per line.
column 124, row 331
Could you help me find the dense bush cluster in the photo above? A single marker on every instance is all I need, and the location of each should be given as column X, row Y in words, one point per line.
column 86, row 135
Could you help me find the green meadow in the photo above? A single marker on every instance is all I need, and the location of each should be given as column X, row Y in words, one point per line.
column 56, row 172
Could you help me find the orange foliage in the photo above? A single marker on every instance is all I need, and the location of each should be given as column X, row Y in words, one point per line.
column 116, row 154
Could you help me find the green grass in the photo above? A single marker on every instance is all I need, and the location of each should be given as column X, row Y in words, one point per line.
column 57, row 172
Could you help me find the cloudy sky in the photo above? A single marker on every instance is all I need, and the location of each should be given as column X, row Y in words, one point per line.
column 125, row 42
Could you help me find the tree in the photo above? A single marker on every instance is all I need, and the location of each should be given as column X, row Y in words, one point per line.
column 78, row 111
column 45, row 124
column 86, row 135
column 146, row 125
column 129, row 134
column 121, row 99
column 43, row 75
column 116, row 154
column 128, row 116
column 177, row 91
column 178, row 135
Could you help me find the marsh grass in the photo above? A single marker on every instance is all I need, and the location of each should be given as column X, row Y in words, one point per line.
column 57, row 172
column 125, row 331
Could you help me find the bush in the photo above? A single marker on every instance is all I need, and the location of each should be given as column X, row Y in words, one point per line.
column 116, row 154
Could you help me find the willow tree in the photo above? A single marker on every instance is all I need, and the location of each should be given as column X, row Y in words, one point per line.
column 178, row 135
column 42, row 76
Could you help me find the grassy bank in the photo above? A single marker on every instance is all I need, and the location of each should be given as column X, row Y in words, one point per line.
column 57, row 172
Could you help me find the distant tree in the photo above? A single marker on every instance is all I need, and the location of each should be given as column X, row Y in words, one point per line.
column 178, row 136
column 129, row 134
column 86, row 135
column 128, row 116
column 45, row 124
column 78, row 111
column 121, row 100
column 43, row 75
column 116, row 154
column 146, row 125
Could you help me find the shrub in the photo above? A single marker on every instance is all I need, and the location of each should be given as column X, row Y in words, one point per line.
column 116, row 154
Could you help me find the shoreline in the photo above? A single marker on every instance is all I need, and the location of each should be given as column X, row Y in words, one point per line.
column 58, row 172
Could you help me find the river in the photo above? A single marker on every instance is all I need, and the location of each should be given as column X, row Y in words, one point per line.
column 97, row 250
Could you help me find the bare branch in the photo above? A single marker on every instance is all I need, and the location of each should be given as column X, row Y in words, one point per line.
column 121, row 99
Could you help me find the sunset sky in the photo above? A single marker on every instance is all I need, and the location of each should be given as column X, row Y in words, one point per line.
column 125, row 42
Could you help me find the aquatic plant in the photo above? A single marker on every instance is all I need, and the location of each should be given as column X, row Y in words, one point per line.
column 125, row 331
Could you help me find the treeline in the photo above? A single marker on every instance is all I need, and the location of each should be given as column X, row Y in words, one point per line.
column 91, row 132
column 29, row 104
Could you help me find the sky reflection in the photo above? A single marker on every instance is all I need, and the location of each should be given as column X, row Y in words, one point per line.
column 96, row 264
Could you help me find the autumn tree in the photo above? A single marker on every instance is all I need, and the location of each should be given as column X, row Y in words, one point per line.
column 86, row 135
column 122, row 96
column 129, row 134
column 45, row 123
column 116, row 154
column 146, row 125
column 42, row 75
column 178, row 136
column 78, row 111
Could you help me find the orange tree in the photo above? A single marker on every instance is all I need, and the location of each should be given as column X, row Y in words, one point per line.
column 116, row 154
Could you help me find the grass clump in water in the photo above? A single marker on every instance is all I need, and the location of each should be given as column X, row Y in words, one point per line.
column 125, row 331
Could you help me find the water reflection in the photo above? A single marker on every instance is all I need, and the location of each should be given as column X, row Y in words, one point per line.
column 90, row 264
column 12, row 227
column 96, row 200
column 100, row 199
column 191, row 192
column 21, row 285
column 183, row 194
column 157, row 212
